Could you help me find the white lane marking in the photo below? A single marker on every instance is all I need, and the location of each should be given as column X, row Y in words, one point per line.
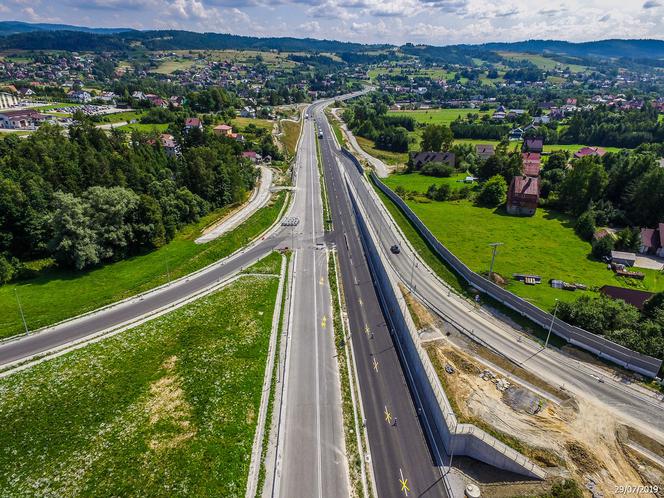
column 317, row 377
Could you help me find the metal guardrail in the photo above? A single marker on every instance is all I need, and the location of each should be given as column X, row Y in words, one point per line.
column 602, row 347
column 449, row 431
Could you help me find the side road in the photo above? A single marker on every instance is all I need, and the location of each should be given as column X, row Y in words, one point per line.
column 259, row 198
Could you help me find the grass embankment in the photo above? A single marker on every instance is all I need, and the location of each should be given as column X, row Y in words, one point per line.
column 290, row 136
column 56, row 294
column 166, row 409
column 391, row 158
column 347, row 385
column 544, row 244
column 336, row 128
column 119, row 117
column 242, row 123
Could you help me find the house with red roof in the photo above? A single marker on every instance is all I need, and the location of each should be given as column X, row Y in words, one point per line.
column 532, row 162
column 254, row 157
column 190, row 123
column 652, row 241
column 589, row 151
column 523, row 196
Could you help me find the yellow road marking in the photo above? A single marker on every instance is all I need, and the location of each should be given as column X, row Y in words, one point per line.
column 404, row 484
column 388, row 416
column 323, row 322
column 366, row 329
column 375, row 364
column 321, row 281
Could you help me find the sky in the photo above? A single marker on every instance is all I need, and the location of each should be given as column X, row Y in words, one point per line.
column 434, row 22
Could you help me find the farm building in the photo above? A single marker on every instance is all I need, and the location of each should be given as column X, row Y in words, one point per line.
column 623, row 258
column 634, row 297
column 531, row 163
column 523, row 196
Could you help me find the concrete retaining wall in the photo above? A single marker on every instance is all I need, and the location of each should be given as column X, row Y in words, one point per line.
column 602, row 347
column 440, row 422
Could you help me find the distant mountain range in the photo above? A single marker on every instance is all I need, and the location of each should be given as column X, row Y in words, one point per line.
column 14, row 27
column 21, row 35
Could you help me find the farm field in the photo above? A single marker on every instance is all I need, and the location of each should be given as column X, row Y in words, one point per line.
column 420, row 183
column 543, row 62
column 168, row 408
column 544, row 244
column 171, row 65
column 55, row 295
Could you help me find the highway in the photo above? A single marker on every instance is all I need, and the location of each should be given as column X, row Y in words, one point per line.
column 637, row 406
column 401, row 460
column 311, row 460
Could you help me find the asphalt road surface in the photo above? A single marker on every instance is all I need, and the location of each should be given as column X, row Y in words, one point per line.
column 401, row 460
column 311, row 461
column 637, row 406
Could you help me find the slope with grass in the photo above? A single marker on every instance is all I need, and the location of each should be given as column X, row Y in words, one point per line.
column 544, row 244
column 436, row 116
column 166, row 409
column 56, row 295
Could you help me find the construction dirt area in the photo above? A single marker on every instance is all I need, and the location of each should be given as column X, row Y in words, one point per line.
column 570, row 437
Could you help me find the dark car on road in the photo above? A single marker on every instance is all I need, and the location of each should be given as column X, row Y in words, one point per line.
column 395, row 249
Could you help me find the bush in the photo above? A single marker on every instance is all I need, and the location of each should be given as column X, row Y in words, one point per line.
column 602, row 247
column 585, row 225
column 7, row 270
column 565, row 489
column 441, row 193
column 494, row 192
column 439, row 170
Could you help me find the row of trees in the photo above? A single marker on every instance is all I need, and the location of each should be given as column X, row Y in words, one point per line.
column 91, row 197
column 368, row 118
column 620, row 322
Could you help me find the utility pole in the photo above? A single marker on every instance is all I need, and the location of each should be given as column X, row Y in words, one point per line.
column 551, row 326
column 20, row 308
column 493, row 258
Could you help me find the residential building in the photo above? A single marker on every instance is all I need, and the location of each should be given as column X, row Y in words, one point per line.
column 419, row 159
column 80, row 96
column 652, row 241
column 248, row 112
column 170, row 145
column 523, row 196
column 190, row 123
column 223, row 130
column 8, row 100
column 484, row 151
column 533, row 145
column 589, row 151
column 252, row 156
column 516, row 134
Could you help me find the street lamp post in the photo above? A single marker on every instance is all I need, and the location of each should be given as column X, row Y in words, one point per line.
column 493, row 258
column 551, row 326
column 20, row 309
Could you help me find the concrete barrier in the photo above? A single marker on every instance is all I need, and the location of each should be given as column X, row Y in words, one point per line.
column 598, row 345
column 439, row 419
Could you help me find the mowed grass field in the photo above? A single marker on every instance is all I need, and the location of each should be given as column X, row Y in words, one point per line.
column 57, row 294
column 436, row 116
column 420, row 183
column 544, row 245
column 291, row 135
column 165, row 409
column 241, row 123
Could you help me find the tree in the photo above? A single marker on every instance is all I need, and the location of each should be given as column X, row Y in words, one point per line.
column 440, row 193
column 602, row 247
column 584, row 184
column 7, row 270
column 440, row 170
column 585, row 225
column 74, row 242
column 110, row 211
column 494, row 192
column 436, row 138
